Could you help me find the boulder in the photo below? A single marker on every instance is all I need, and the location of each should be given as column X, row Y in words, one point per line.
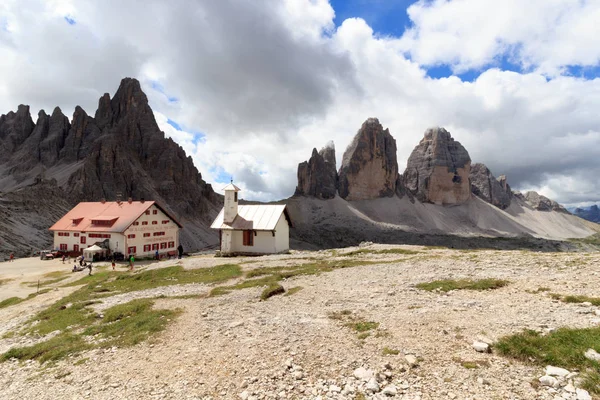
column 485, row 186
column 318, row 176
column 369, row 167
column 438, row 169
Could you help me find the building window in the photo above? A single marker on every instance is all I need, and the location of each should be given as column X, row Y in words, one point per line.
column 171, row 245
column 235, row 196
column 158, row 234
column 75, row 247
column 76, row 234
column 147, row 212
column 147, row 247
column 63, row 234
column 154, row 222
column 99, row 235
column 131, row 250
column 130, row 236
column 136, row 223
column 165, row 222
column 163, row 245
column 144, row 222
column 155, row 246
column 154, row 212
column 63, row 247
column 82, row 240
column 248, row 238
column 146, row 235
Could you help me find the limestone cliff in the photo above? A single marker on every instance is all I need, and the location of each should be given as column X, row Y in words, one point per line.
column 369, row 167
column 318, row 176
column 487, row 187
column 438, row 169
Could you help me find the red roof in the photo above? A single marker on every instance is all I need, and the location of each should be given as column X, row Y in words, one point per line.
column 121, row 214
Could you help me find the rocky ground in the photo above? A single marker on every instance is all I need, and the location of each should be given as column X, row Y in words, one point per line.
column 298, row 346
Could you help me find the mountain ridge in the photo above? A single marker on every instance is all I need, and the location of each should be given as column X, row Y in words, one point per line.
column 120, row 152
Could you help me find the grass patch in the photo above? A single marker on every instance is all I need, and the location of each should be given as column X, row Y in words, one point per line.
column 272, row 290
column 269, row 276
column 362, row 326
column 471, row 364
column 11, row 301
column 595, row 301
column 5, row 281
column 81, row 361
column 53, row 349
column 293, row 290
column 582, row 299
column 564, row 347
column 390, row 352
column 73, row 309
column 122, row 325
column 447, row 285
column 131, row 323
column 364, row 335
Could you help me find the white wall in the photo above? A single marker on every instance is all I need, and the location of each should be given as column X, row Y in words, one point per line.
column 282, row 235
column 115, row 242
column 171, row 233
column 230, row 206
column 264, row 241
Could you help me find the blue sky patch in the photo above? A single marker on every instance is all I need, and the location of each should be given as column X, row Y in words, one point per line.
column 70, row 20
column 174, row 124
column 578, row 71
column 386, row 17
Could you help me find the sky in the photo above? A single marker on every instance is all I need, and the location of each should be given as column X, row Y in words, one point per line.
column 249, row 87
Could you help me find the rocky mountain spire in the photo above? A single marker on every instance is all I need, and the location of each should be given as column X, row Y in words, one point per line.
column 318, row 177
column 369, row 167
column 438, row 169
column 15, row 128
column 487, row 187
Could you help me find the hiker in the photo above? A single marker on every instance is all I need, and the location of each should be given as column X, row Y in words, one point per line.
column 64, row 257
column 12, row 257
column 131, row 260
column 113, row 262
column 90, row 268
column 81, row 260
column 156, row 256
column 180, row 250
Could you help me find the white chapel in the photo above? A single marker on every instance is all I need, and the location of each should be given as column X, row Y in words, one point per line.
column 252, row 229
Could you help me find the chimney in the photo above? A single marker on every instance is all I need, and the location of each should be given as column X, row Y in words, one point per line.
column 142, row 200
column 130, row 200
column 103, row 200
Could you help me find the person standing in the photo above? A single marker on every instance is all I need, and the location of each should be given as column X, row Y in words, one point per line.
column 180, row 250
column 12, row 257
column 156, row 255
column 131, row 260
column 113, row 262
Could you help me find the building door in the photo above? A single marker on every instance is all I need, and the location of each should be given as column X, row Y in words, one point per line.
column 82, row 240
column 75, row 247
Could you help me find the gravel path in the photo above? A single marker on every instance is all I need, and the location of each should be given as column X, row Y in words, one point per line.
column 288, row 347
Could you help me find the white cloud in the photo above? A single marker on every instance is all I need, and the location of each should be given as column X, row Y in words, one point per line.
column 543, row 35
column 266, row 81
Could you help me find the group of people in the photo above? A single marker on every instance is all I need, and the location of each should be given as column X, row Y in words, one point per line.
column 83, row 264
